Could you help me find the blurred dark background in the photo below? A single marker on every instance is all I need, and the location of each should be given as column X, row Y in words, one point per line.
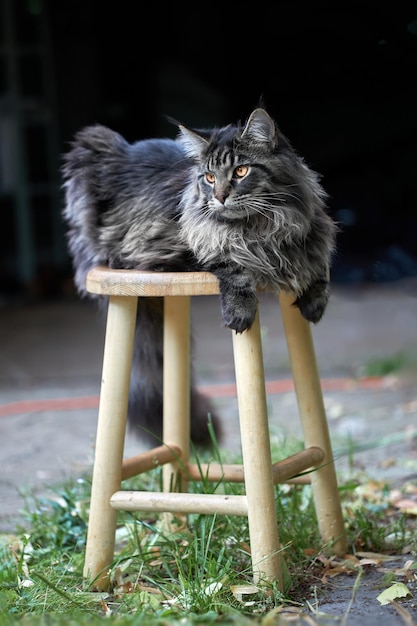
column 340, row 79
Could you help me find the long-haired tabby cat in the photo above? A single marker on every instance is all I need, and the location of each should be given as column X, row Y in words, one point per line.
column 237, row 201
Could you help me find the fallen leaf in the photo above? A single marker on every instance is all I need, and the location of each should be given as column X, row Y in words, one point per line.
column 376, row 556
column 335, row 566
column 363, row 562
column 406, row 506
column 407, row 571
column 397, row 590
column 242, row 590
column 105, row 608
column 213, row 588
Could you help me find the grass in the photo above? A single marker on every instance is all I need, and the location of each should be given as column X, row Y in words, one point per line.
column 200, row 574
column 384, row 366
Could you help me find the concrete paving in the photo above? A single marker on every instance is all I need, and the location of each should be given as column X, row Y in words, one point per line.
column 50, row 367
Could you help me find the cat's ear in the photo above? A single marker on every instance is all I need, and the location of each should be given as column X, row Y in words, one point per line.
column 193, row 143
column 260, row 128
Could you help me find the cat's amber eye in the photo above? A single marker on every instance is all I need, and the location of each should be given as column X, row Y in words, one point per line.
column 210, row 178
column 241, row 171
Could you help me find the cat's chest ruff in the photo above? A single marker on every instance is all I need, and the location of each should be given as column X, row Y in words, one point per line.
column 216, row 243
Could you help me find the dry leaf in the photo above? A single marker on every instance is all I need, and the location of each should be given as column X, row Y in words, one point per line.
column 243, row 590
column 376, row 555
column 406, row 506
column 105, row 608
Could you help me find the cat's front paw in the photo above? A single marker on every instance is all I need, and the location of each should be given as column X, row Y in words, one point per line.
column 239, row 311
column 313, row 302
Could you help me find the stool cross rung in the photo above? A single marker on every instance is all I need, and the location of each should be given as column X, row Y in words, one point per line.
column 141, row 463
column 282, row 471
column 174, row 502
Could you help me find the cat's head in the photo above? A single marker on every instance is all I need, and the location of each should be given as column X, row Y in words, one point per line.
column 246, row 171
column 259, row 131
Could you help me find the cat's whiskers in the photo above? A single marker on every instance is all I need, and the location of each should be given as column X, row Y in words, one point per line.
column 261, row 210
column 280, row 221
column 267, row 209
column 284, row 196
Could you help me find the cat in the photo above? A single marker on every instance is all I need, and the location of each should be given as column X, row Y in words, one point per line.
column 237, row 201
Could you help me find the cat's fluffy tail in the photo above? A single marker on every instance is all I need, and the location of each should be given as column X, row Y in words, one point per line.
column 145, row 399
column 88, row 168
column 86, row 171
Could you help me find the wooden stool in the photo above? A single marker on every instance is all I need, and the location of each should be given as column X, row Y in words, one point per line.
column 257, row 472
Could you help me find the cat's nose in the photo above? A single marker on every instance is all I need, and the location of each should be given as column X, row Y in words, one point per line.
column 222, row 194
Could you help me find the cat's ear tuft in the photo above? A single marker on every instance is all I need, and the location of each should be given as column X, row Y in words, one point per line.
column 193, row 143
column 260, row 128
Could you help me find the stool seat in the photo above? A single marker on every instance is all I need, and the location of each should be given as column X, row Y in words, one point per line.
column 258, row 473
column 105, row 281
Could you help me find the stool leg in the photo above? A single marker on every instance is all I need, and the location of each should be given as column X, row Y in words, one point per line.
column 111, row 428
column 176, row 403
column 314, row 423
column 256, row 451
